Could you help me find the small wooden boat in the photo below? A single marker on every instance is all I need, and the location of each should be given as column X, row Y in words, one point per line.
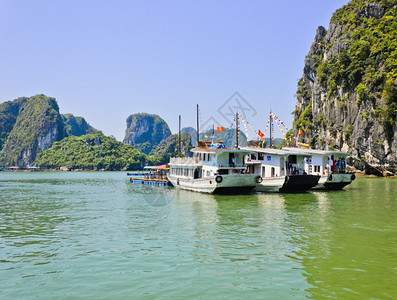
column 153, row 175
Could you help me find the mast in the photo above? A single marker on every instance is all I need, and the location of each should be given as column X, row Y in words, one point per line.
column 179, row 136
column 198, row 130
column 236, row 130
column 271, row 126
column 213, row 133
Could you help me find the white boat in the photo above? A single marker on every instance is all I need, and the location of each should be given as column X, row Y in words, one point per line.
column 281, row 171
column 330, row 165
column 213, row 169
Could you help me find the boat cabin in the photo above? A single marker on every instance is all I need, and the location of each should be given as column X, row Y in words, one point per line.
column 322, row 162
column 269, row 162
column 209, row 159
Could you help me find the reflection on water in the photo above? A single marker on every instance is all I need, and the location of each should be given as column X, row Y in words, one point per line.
column 95, row 235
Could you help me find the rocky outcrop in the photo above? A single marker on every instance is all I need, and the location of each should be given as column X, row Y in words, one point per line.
column 192, row 132
column 347, row 96
column 77, row 126
column 8, row 116
column 37, row 126
column 372, row 10
column 145, row 131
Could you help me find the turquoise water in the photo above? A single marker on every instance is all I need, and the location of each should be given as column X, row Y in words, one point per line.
column 96, row 236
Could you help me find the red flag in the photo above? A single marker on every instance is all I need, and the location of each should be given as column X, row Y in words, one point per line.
column 260, row 134
column 219, row 129
column 300, row 132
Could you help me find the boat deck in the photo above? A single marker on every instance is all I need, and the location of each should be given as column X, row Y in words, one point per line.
column 151, row 181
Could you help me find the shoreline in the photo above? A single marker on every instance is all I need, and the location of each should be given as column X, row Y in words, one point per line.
column 357, row 173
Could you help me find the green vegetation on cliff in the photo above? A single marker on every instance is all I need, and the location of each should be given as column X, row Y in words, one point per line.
column 8, row 116
column 368, row 65
column 91, row 152
column 38, row 124
column 347, row 96
column 77, row 125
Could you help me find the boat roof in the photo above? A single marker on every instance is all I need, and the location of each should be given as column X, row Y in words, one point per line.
column 161, row 167
column 273, row 151
column 220, row 150
column 316, row 151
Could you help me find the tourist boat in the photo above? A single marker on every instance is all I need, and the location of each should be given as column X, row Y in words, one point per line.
column 152, row 175
column 213, row 169
column 280, row 170
column 330, row 165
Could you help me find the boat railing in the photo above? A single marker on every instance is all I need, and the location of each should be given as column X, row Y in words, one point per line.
column 184, row 160
column 232, row 166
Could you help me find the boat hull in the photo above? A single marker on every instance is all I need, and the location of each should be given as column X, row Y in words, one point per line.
column 273, row 184
column 289, row 183
column 299, row 183
column 228, row 184
column 335, row 181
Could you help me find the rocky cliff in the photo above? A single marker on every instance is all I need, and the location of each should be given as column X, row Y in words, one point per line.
column 192, row 132
column 145, row 131
column 347, row 96
column 8, row 116
column 77, row 126
column 35, row 124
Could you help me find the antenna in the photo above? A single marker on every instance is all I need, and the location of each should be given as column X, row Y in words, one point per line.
column 237, row 129
column 270, row 129
column 198, row 128
column 213, row 133
column 179, row 136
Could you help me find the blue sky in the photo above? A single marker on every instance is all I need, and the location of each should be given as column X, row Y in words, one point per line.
column 105, row 60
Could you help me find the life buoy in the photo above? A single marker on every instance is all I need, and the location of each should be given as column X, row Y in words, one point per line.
column 330, row 177
column 353, row 177
column 218, row 179
column 258, row 179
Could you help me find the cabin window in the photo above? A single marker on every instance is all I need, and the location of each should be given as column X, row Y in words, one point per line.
column 292, row 159
column 317, row 169
column 273, row 172
column 261, row 156
column 208, row 173
column 263, row 172
column 222, row 172
column 253, row 156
